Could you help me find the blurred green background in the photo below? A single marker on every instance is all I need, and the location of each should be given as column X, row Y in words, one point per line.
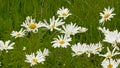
column 84, row 12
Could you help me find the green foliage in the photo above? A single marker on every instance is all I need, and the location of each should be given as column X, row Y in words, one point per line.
column 84, row 12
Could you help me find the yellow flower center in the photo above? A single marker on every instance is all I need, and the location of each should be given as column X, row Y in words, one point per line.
column 61, row 42
column 5, row 47
column 110, row 66
column 90, row 51
column 18, row 34
column 53, row 26
column 98, row 48
column 79, row 52
column 71, row 33
column 106, row 15
column 34, row 60
column 109, row 56
column 64, row 14
column 32, row 26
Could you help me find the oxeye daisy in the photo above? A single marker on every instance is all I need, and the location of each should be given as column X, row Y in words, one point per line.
column 110, row 54
column 17, row 34
column 34, row 59
column 79, row 49
column 63, row 12
column 82, row 29
column 93, row 48
column 70, row 29
column 31, row 25
column 106, row 15
column 44, row 53
column 6, row 46
column 54, row 23
column 38, row 58
column 110, row 63
column 90, row 50
column 104, row 30
column 113, row 37
column 61, row 41
column 98, row 47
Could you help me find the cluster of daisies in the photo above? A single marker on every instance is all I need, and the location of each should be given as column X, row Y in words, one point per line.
column 38, row 58
column 92, row 48
column 112, row 37
column 63, row 40
column 29, row 25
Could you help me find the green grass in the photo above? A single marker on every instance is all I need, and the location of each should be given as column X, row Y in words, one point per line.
column 84, row 12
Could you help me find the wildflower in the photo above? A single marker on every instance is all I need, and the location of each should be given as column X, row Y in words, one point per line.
column 61, row 41
column 94, row 48
column 44, row 53
column 78, row 49
column 106, row 15
column 63, row 12
column 19, row 34
column 113, row 37
column 110, row 54
column 110, row 63
column 70, row 29
column 34, row 59
column 82, row 29
column 38, row 58
column 31, row 25
column 54, row 23
column 104, row 30
column 6, row 46
column 98, row 47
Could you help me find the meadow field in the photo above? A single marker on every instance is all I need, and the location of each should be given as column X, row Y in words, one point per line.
column 85, row 13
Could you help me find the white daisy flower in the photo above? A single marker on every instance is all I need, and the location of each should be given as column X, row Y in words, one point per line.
column 78, row 49
column 6, row 46
column 110, row 63
column 30, row 25
column 90, row 50
column 61, row 41
column 93, row 49
column 104, row 30
column 44, row 53
column 110, row 54
column 70, row 29
column 34, row 59
column 17, row 34
column 113, row 37
column 106, row 15
column 82, row 29
column 54, row 23
column 63, row 12
column 39, row 58
column 98, row 47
